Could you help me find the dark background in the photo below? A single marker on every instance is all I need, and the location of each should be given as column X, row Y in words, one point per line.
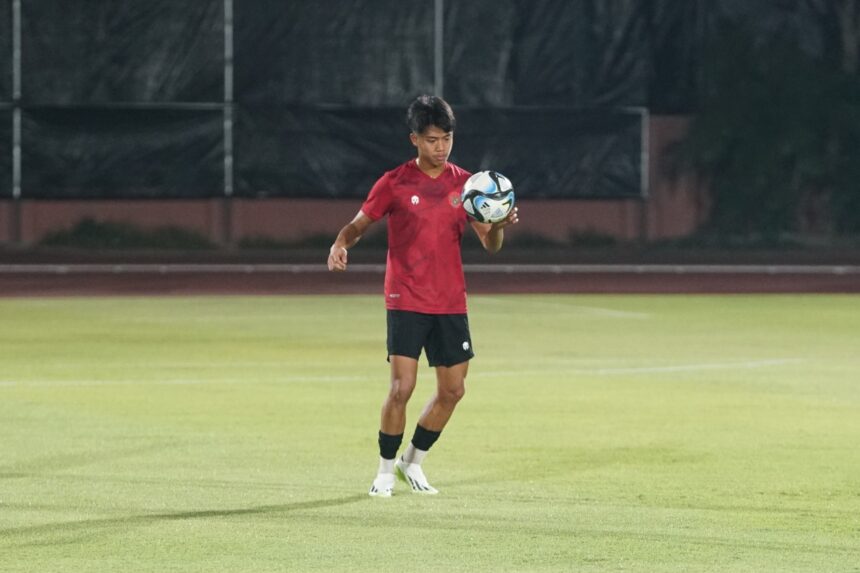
column 127, row 99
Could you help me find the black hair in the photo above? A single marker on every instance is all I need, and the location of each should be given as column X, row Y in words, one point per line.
column 427, row 111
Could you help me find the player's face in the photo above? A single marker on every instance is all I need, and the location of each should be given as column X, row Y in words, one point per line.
column 434, row 146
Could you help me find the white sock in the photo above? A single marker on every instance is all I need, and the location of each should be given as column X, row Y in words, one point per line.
column 386, row 466
column 413, row 455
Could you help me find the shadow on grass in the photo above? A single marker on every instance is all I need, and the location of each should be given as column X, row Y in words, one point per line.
column 74, row 531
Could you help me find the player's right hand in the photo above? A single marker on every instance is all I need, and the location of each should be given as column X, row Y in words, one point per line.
column 337, row 258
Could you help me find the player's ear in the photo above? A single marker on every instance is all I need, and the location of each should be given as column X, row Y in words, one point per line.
column 413, row 138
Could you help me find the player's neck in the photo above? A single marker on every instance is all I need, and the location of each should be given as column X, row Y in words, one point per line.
column 429, row 169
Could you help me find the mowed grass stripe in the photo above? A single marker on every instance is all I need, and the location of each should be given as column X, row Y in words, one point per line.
column 281, row 379
column 599, row 433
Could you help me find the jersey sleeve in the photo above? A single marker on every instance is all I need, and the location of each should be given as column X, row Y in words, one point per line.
column 378, row 202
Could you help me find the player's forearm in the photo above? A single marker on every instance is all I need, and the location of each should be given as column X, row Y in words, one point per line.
column 494, row 239
column 348, row 236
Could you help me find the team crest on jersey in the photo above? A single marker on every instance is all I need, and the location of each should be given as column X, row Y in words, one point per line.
column 454, row 199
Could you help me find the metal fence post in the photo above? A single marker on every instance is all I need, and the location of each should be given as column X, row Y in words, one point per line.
column 15, row 223
column 227, row 211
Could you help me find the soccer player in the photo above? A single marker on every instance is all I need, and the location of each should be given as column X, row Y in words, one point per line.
column 425, row 291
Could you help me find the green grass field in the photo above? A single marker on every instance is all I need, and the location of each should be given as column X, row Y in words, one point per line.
column 598, row 433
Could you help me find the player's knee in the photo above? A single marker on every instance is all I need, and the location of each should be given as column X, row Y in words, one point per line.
column 453, row 394
column 401, row 390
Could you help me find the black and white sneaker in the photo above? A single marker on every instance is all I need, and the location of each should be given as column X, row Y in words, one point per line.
column 382, row 486
column 414, row 476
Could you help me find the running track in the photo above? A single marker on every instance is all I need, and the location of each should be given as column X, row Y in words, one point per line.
column 19, row 280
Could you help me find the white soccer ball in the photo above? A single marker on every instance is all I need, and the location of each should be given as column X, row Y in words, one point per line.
column 488, row 196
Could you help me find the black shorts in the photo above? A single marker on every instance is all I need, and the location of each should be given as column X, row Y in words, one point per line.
column 445, row 337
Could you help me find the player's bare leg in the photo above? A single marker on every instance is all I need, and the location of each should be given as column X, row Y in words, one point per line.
column 404, row 372
column 450, row 388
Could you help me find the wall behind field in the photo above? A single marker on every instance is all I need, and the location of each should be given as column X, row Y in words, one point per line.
column 272, row 119
column 673, row 208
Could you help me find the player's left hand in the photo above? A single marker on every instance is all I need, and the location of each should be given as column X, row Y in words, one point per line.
column 512, row 219
column 337, row 258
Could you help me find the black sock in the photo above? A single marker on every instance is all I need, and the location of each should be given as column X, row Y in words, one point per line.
column 423, row 438
column 389, row 444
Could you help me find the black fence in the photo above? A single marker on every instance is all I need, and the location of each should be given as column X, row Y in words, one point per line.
column 156, row 98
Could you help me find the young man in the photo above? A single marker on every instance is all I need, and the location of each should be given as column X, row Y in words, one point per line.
column 425, row 290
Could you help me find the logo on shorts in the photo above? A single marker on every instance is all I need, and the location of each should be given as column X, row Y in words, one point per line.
column 466, row 345
column 415, row 199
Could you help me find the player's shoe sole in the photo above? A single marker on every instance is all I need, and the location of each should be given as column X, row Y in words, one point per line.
column 414, row 476
column 383, row 486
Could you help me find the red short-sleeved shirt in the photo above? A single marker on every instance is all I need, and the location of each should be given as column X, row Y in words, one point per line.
column 425, row 227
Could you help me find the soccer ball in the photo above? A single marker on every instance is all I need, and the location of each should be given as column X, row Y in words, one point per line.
column 488, row 197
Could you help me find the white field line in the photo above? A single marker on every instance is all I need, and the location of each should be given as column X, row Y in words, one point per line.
column 634, row 370
column 696, row 367
column 612, row 312
column 479, row 374
column 64, row 269
column 595, row 310
column 179, row 381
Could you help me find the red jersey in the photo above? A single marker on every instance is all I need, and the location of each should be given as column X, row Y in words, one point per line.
column 425, row 227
